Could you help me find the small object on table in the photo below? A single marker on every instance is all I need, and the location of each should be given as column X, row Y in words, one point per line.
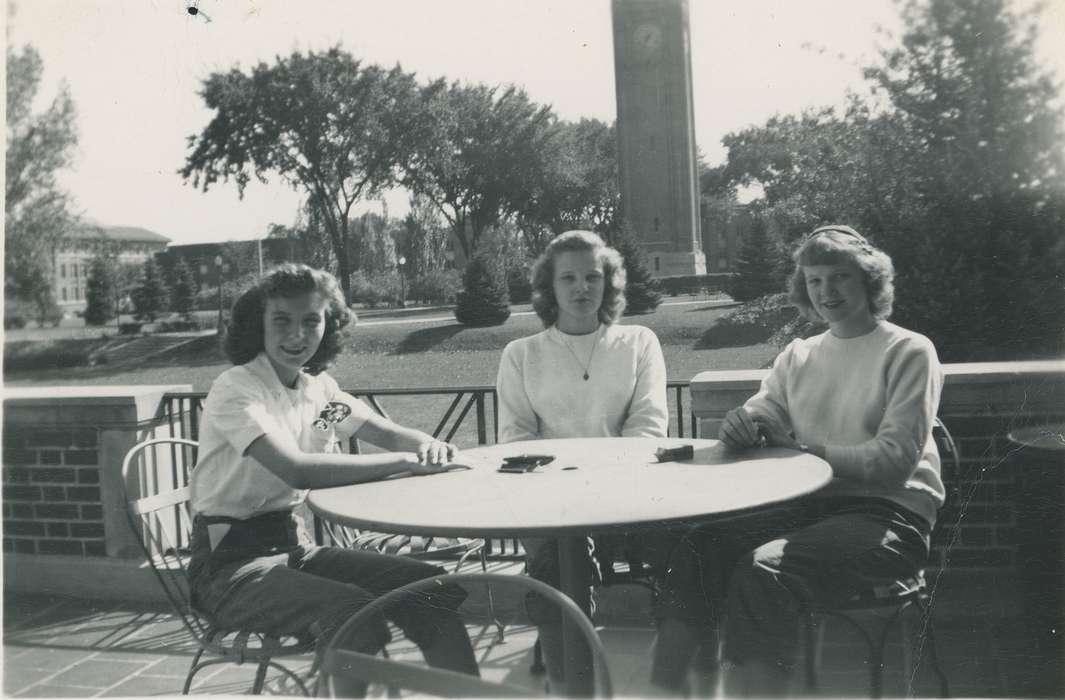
column 520, row 464
column 674, row 454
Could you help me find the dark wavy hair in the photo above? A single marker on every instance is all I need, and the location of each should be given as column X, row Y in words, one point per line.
column 838, row 245
column 543, row 276
column 245, row 333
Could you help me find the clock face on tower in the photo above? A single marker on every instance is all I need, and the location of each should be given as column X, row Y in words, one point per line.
column 648, row 38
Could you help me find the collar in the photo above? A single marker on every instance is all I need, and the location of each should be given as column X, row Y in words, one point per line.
column 264, row 371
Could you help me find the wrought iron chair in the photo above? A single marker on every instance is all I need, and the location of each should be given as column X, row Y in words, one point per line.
column 397, row 674
column 155, row 476
column 887, row 604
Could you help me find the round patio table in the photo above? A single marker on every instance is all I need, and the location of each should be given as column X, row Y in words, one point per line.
column 592, row 485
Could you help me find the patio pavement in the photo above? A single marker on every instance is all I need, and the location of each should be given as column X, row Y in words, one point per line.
column 64, row 647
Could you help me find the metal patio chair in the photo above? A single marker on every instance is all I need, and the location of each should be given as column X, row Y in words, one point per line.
column 399, row 675
column 886, row 605
column 155, row 476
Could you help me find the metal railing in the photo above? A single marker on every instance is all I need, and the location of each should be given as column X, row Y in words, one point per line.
column 182, row 410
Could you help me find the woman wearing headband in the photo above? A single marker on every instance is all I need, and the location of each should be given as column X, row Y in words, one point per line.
column 862, row 396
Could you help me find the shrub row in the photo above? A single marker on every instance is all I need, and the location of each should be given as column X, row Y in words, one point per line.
column 694, row 284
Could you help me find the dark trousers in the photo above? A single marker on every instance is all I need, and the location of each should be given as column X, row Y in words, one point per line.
column 752, row 575
column 264, row 575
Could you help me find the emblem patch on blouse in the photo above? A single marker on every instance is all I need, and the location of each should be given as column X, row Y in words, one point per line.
column 333, row 413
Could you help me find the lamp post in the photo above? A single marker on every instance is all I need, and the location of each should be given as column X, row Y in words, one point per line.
column 220, row 268
column 402, row 282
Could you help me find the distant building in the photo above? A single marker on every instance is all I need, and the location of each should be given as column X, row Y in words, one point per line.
column 70, row 262
column 239, row 257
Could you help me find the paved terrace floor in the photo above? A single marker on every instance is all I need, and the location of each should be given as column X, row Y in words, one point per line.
column 63, row 647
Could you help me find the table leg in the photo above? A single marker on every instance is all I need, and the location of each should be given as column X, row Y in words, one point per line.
column 573, row 563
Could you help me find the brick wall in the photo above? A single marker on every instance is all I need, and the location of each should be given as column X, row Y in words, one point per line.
column 62, row 469
column 51, row 487
column 981, row 404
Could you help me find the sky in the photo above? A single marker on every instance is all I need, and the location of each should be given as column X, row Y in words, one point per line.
column 134, row 68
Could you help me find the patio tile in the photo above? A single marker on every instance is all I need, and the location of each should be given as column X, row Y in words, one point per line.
column 57, row 691
column 50, row 658
column 98, row 673
column 17, row 678
column 140, row 686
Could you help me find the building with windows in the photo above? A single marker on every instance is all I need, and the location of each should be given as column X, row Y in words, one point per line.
column 70, row 262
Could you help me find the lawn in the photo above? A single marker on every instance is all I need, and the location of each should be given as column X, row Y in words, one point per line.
column 436, row 353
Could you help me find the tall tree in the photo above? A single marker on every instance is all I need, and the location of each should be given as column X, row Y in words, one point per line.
column 100, row 293
column 37, row 212
column 955, row 167
column 489, row 147
column 325, row 123
column 987, row 154
column 151, row 296
column 757, row 266
column 576, row 187
column 183, row 290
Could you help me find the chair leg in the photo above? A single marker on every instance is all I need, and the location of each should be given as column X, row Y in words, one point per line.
column 933, row 653
column 538, row 668
column 260, row 677
column 814, row 635
column 194, row 667
column 500, row 638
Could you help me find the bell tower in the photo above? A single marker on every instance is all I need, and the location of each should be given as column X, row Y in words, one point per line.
column 658, row 177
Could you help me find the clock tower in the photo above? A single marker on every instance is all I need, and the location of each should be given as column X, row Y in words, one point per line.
column 658, row 178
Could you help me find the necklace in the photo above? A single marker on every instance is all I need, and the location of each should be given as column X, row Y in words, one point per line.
column 588, row 364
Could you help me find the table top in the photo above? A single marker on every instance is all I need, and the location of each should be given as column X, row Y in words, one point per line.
column 593, row 484
column 1050, row 438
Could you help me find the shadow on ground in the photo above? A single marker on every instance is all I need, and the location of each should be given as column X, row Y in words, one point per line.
column 425, row 339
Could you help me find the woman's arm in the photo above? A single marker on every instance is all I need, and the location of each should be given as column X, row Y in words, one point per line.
column 382, row 432
column 517, row 419
column 306, row 470
column 649, row 410
column 914, row 381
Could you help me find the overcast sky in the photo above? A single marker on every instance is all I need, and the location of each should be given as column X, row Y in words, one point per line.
column 134, row 68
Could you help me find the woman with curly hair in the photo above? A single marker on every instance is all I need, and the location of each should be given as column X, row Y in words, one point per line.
column 582, row 376
column 862, row 396
column 271, row 429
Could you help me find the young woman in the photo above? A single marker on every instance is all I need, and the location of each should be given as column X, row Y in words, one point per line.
column 270, row 430
column 862, row 396
column 583, row 376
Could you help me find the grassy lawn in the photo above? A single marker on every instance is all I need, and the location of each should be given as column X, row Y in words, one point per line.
column 439, row 353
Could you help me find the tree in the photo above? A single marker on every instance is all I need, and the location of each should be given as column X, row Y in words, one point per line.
column 150, row 296
column 37, row 212
column 423, row 241
column 325, row 123
column 954, row 166
column 100, row 295
column 641, row 289
column 310, row 241
column 483, row 300
column 758, row 266
column 480, row 164
column 576, row 187
column 987, row 155
column 183, row 291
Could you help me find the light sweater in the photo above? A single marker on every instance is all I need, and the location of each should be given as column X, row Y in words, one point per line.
column 871, row 401
column 542, row 393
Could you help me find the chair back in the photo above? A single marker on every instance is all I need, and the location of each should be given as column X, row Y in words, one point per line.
column 397, row 675
column 155, row 475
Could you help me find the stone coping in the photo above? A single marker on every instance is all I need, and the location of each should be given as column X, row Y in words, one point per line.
column 957, row 373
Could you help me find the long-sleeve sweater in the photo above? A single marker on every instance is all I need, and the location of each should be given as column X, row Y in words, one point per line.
column 871, row 401
column 542, row 393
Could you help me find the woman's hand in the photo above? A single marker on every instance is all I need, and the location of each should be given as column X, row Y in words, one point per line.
column 437, row 452
column 774, row 437
column 739, row 429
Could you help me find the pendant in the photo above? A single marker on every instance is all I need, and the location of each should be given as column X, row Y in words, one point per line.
column 585, row 376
